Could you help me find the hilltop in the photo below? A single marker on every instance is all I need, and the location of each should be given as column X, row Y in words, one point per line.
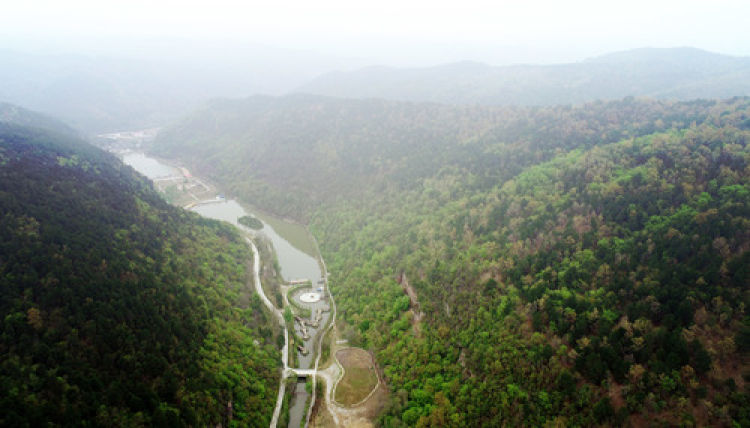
column 675, row 74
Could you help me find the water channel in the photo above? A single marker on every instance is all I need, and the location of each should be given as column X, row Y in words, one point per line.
column 295, row 264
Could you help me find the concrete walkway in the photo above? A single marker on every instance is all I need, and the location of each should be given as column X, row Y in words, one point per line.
column 280, row 317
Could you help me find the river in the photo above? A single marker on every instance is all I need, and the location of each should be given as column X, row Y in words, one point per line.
column 293, row 261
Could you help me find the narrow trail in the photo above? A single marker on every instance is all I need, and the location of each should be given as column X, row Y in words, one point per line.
column 342, row 416
column 330, row 375
column 320, row 338
column 280, row 317
column 356, row 414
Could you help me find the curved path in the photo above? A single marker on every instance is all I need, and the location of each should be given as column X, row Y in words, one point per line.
column 320, row 338
column 343, row 415
column 330, row 379
column 280, row 317
column 331, row 375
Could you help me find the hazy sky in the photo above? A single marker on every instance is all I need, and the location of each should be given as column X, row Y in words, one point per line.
column 396, row 32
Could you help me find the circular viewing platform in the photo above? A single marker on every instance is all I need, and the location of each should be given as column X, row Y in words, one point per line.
column 310, row 297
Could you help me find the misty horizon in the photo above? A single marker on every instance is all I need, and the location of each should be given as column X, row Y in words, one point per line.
column 397, row 34
column 433, row 54
column 139, row 64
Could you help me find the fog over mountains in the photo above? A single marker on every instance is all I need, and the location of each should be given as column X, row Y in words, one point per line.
column 679, row 73
column 98, row 94
column 150, row 83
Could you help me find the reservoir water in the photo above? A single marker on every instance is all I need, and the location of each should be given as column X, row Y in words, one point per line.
column 294, row 263
column 147, row 166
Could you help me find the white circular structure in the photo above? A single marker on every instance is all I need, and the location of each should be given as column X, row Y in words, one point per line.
column 309, row 297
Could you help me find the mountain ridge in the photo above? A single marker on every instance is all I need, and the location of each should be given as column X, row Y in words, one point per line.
column 670, row 73
column 119, row 309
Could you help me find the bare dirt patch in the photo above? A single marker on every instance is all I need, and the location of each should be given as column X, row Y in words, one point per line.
column 359, row 378
column 335, row 414
column 321, row 417
column 417, row 313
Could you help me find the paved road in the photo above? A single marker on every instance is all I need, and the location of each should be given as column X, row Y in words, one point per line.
column 330, row 375
column 331, row 324
column 280, row 317
column 302, row 372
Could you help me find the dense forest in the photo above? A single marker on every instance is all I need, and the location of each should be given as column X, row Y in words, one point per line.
column 118, row 309
column 295, row 153
column 566, row 265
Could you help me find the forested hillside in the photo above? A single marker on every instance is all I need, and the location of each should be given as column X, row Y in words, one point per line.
column 576, row 265
column 673, row 73
column 293, row 153
column 14, row 115
column 118, row 309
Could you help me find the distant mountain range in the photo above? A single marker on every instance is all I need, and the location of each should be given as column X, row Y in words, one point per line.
column 154, row 86
column 150, row 85
column 677, row 73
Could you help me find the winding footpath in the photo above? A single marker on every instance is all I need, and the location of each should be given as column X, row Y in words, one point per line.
column 320, row 340
column 331, row 375
column 343, row 415
column 280, row 316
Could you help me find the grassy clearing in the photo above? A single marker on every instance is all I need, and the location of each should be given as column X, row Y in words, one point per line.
column 359, row 378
